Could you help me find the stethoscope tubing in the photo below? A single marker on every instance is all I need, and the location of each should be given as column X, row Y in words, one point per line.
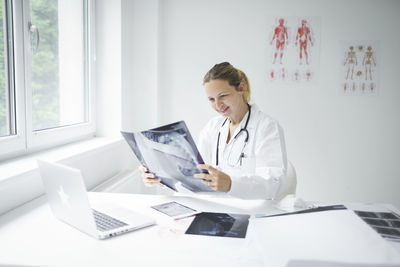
column 244, row 129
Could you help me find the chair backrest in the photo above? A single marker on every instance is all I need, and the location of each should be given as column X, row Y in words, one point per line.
column 289, row 187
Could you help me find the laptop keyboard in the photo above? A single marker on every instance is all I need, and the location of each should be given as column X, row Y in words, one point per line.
column 105, row 222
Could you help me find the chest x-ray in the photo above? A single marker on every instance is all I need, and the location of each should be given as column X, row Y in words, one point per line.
column 171, row 154
column 219, row 224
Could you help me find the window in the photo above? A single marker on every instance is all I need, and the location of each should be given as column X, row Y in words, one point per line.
column 5, row 109
column 45, row 74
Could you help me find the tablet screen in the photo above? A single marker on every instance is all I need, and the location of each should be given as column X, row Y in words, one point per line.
column 174, row 209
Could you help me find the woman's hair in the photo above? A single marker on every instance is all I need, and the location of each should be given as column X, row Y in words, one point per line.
column 225, row 71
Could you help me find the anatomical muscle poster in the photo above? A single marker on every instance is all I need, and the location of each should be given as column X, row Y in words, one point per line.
column 293, row 49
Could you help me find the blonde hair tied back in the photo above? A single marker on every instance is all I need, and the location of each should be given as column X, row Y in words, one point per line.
column 225, row 71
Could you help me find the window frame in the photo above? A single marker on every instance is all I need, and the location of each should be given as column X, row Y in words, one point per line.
column 14, row 143
column 25, row 140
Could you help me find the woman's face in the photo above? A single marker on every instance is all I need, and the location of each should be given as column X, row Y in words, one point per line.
column 224, row 98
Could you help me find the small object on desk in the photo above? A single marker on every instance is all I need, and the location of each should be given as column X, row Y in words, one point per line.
column 387, row 224
column 219, row 224
column 317, row 209
column 292, row 203
column 175, row 210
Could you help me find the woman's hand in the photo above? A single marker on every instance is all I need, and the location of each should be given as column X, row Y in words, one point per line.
column 149, row 179
column 217, row 180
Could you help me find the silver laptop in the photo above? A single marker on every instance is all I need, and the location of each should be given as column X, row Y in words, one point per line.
column 68, row 199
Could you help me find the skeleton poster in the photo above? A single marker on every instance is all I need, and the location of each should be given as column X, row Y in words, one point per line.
column 359, row 63
column 293, row 49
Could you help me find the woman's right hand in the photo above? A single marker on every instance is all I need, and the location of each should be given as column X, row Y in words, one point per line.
column 149, row 179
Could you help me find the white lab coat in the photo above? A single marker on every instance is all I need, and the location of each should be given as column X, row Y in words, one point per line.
column 263, row 170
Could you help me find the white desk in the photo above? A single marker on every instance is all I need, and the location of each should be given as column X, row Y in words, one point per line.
column 31, row 235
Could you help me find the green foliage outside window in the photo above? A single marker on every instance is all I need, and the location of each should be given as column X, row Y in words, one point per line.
column 45, row 65
column 44, row 68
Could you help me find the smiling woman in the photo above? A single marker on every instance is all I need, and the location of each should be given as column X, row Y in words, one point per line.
column 244, row 149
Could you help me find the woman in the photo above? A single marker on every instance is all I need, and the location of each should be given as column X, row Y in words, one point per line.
column 244, row 149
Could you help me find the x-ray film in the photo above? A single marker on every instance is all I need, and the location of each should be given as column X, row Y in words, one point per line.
column 387, row 224
column 171, row 154
column 219, row 224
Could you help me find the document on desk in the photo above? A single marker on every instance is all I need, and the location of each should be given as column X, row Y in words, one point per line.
column 336, row 236
column 308, row 263
column 171, row 154
column 317, row 209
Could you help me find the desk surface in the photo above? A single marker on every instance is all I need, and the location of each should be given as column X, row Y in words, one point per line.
column 31, row 235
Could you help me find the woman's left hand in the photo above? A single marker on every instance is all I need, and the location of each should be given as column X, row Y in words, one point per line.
column 217, row 180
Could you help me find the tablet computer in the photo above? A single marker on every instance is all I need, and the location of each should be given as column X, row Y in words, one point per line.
column 175, row 210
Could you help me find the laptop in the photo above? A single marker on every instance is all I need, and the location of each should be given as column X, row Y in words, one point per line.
column 68, row 200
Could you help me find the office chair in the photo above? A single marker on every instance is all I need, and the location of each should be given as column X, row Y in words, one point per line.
column 290, row 184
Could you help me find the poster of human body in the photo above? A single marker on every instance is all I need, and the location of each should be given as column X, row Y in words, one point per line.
column 293, row 49
column 360, row 63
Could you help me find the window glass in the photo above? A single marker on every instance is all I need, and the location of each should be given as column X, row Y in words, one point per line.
column 59, row 96
column 4, row 93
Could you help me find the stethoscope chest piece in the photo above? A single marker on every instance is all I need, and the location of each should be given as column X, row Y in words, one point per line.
column 234, row 160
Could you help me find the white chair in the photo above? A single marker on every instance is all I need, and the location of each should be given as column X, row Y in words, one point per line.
column 289, row 187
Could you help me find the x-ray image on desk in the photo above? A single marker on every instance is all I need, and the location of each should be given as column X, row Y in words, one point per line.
column 219, row 224
column 171, row 154
column 387, row 224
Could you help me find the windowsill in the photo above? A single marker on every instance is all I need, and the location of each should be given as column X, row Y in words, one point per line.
column 24, row 164
column 98, row 159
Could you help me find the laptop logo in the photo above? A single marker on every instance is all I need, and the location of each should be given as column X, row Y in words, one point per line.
column 64, row 197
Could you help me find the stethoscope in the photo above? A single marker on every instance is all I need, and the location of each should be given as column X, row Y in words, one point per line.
column 246, row 140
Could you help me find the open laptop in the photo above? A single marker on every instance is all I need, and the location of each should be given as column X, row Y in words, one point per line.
column 68, row 199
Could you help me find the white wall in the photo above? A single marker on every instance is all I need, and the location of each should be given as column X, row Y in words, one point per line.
column 344, row 148
column 108, row 67
column 139, row 64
